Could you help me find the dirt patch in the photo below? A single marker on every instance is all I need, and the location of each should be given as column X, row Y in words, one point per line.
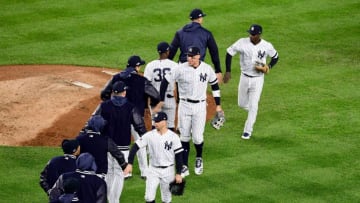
column 40, row 105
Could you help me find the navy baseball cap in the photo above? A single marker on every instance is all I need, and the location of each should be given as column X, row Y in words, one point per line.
column 255, row 29
column 69, row 146
column 196, row 13
column 135, row 61
column 192, row 51
column 163, row 47
column 119, row 86
column 161, row 116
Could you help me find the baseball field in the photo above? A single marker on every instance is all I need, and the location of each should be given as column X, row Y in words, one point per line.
column 305, row 144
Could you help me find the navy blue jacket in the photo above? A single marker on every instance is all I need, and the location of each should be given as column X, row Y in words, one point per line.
column 193, row 34
column 138, row 92
column 98, row 146
column 120, row 115
column 54, row 168
column 91, row 188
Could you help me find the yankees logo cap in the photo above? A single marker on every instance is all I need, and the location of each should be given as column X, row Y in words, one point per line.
column 119, row 86
column 192, row 51
column 255, row 29
column 196, row 13
column 161, row 116
column 163, row 47
column 135, row 61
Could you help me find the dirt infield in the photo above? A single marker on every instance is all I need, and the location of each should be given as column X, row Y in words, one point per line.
column 40, row 104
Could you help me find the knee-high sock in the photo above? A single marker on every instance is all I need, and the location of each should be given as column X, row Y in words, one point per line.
column 186, row 147
column 199, row 149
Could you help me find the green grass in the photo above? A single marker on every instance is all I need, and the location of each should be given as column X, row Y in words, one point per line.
column 305, row 142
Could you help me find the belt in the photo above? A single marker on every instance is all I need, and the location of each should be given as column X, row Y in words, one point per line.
column 250, row 76
column 169, row 96
column 193, row 101
column 163, row 166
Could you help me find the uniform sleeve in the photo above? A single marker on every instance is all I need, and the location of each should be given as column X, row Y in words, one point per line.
column 116, row 153
column 152, row 92
column 233, row 49
column 57, row 190
column 43, row 179
column 214, row 53
column 138, row 121
column 174, row 46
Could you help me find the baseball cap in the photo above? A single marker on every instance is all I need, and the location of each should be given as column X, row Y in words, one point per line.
column 119, row 86
column 135, row 61
column 192, row 51
column 196, row 13
column 69, row 146
column 163, row 47
column 255, row 29
column 96, row 123
column 161, row 116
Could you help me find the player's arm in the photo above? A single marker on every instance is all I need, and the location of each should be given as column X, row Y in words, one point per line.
column 274, row 60
column 228, row 60
column 216, row 94
column 116, row 153
column 152, row 92
column 138, row 121
column 56, row 190
column 131, row 158
column 43, row 179
column 174, row 46
column 214, row 53
column 179, row 159
column 105, row 93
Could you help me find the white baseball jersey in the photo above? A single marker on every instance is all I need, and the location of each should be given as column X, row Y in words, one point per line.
column 250, row 54
column 192, row 82
column 162, row 148
column 155, row 72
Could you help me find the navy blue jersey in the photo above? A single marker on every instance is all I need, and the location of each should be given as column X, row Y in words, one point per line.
column 120, row 115
column 98, row 146
column 138, row 92
column 54, row 168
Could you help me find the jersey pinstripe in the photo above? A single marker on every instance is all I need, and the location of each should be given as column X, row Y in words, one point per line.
column 250, row 54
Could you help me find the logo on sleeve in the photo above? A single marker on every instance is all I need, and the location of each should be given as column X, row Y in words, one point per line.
column 168, row 145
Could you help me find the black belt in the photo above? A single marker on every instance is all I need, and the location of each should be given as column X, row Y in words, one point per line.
column 250, row 76
column 193, row 101
column 163, row 166
column 169, row 96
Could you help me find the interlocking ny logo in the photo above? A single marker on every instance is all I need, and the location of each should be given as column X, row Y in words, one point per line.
column 168, row 145
column 261, row 54
column 203, row 77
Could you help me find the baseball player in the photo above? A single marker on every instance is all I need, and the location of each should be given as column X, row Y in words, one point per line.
column 59, row 164
column 192, row 79
column 138, row 92
column 120, row 114
column 155, row 72
column 193, row 34
column 253, row 53
column 93, row 142
column 91, row 188
column 164, row 149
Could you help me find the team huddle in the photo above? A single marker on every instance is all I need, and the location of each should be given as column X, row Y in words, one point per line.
column 99, row 159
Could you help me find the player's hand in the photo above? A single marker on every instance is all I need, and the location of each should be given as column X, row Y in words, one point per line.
column 128, row 169
column 178, row 178
column 158, row 107
column 262, row 68
column 219, row 109
column 227, row 77
column 219, row 77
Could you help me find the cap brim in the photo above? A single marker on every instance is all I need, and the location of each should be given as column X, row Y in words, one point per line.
column 142, row 62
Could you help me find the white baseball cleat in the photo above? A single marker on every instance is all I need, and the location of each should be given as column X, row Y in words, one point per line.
column 184, row 171
column 246, row 136
column 199, row 166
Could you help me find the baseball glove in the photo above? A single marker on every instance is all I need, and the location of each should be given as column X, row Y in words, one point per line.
column 262, row 67
column 218, row 121
column 177, row 188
